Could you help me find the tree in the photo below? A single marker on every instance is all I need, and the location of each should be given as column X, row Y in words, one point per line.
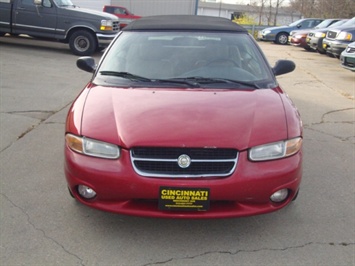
column 278, row 4
column 324, row 8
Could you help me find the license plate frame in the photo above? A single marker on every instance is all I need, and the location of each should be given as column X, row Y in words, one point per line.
column 184, row 199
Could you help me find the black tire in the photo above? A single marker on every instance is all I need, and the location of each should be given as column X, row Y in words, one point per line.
column 100, row 49
column 282, row 38
column 295, row 196
column 82, row 43
column 70, row 193
column 2, row 34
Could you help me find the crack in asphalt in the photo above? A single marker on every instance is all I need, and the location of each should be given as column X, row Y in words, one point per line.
column 42, row 231
column 41, row 120
column 344, row 244
column 25, row 113
column 324, row 121
column 336, row 111
column 306, row 71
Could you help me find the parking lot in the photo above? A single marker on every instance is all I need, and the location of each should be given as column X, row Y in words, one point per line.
column 42, row 225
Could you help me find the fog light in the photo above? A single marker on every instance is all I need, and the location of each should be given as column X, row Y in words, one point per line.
column 86, row 192
column 280, row 195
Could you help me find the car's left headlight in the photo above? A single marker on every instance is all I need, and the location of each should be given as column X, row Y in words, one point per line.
column 106, row 25
column 92, row 147
column 344, row 36
column 276, row 150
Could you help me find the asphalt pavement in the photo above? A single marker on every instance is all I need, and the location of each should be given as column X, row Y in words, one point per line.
column 40, row 224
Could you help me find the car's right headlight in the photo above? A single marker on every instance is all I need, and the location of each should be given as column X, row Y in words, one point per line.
column 344, row 36
column 92, row 147
column 266, row 32
column 276, row 150
column 320, row 34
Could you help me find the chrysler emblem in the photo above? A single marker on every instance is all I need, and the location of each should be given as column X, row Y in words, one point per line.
column 184, row 161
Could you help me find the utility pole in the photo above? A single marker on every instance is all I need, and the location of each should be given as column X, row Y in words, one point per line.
column 196, row 6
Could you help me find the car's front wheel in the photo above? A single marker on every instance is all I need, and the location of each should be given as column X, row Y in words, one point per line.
column 282, row 38
column 82, row 43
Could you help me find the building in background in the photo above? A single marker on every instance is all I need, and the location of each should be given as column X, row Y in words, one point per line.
column 218, row 8
column 92, row 4
column 256, row 14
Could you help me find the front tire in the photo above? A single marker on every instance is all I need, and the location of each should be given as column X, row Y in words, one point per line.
column 296, row 195
column 82, row 43
column 282, row 38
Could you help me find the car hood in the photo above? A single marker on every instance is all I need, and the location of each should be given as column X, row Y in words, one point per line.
column 86, row 13
column 352, row 45
column 297, row 32
column 184, row 117
column 319, row 30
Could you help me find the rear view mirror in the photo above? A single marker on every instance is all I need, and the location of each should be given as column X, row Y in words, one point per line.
column 283, row 67
column 86, row 63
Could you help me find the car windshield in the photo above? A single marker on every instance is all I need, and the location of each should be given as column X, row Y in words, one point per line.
column 350, row 22
column 323, row 24
column 293, row 24
column 338, row 23
column 186, row 57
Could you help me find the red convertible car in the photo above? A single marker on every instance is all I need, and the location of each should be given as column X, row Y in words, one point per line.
column 183, row 118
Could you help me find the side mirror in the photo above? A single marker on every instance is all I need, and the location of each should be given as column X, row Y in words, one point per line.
column 38, row 2
column 283, row 67
column 299, row 25
column 86, row 63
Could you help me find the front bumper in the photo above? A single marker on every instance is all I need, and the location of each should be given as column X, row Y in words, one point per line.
column 315, row 43
column 121, row 190
column 266, row 37
column 104, row 40
column 334, row 47
column 298, row 42
column 348, row 61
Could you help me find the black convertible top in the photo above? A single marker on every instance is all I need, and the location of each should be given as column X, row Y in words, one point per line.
column 184, row 22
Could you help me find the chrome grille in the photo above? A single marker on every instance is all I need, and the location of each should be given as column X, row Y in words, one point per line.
column 116, row 26
column 331, row 34
column 163, row 162
column 350, row 62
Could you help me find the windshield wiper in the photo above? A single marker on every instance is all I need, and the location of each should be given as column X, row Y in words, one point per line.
column 134, row 77
column 125, row 75
column 203, row 80
column 179, row 81
column 194, row 82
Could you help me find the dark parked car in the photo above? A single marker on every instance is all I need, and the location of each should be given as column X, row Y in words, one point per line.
column 347, row 57
column 183, row 118
column 315, row 37
column 280, row 34
column 337, row 39
column 298, row 37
